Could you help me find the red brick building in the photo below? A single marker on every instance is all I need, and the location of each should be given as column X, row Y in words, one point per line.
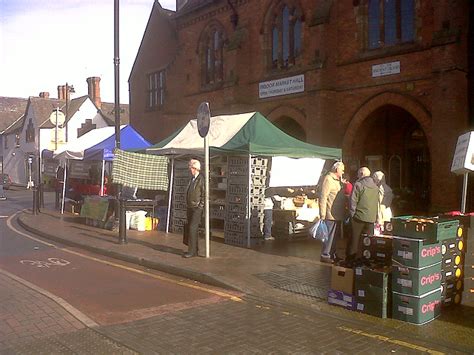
column 386, row 80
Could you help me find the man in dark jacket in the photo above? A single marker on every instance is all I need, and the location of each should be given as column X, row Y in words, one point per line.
column 363, row 210
column 195, row 196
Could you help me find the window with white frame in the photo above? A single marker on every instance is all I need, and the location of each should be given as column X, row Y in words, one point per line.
column 390, row 22
column 156, row 90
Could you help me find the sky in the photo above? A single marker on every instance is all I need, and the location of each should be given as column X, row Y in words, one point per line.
column 46, row 43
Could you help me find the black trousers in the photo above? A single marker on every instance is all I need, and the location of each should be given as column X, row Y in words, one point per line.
column 194, row 216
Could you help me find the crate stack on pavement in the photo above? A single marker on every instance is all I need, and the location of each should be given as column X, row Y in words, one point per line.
column 373, row 291
column 418, row 266
column 377, row 249
column 459, row 264
column 180, row 185
column 245, row 189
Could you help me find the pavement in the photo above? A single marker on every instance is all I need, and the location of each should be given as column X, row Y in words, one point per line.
column 282, row 272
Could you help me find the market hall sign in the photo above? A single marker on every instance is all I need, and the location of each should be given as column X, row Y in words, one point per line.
column 285, row 86
column 385, row 69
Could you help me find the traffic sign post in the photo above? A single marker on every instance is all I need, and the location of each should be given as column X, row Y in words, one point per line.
column 203, row 124
column 463, row 162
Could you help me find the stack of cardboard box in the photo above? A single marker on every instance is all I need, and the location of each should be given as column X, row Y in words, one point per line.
column 417, row 267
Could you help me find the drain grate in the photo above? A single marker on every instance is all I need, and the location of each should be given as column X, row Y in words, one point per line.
column 307, row 280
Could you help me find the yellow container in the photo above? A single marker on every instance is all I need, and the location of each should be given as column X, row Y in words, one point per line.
column 151, row 223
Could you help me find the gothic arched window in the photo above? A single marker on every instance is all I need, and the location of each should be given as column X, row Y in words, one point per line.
column 390, row 22
column 286, row 33
column 212, row 45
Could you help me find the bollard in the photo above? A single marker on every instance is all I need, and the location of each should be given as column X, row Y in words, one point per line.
column 35, row 200
column 122, row 223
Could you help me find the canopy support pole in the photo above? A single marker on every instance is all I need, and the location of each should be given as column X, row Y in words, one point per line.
column 102, row 178
column 64, row 187
column 249, row 212
column 464, row 192
column 170, row 194
column 206, row 202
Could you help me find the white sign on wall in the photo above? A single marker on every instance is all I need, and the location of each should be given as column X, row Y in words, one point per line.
column 285, row 86
column 385, row 69
column 463, row 160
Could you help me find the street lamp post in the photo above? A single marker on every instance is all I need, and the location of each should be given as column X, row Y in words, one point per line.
column 121, row 202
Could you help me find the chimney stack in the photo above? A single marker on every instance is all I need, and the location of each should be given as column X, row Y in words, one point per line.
column 62, row 92
column 93, row 85
column 44, row 95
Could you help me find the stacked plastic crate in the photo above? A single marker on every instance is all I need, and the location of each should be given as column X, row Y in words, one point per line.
column 452, row 282
column 468, row 238
column 245, row 200
column 373, row 291
column 180, row 185
column 377, row 250
column 417, row 266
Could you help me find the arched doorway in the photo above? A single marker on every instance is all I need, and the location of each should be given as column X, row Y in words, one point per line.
column 391, row 139
column 290, row 127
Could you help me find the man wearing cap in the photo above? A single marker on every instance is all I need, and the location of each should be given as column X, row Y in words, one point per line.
column 195, row 197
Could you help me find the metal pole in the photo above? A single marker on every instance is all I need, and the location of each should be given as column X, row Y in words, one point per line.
column 56, row 131
column 102, row 179
column 121, row 204
column 249, row 205
column 64, row 187
column 464, row 193
column 206, row 204
column 170, row 194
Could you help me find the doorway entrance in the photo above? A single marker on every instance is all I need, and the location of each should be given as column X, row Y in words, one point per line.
column 390, row 139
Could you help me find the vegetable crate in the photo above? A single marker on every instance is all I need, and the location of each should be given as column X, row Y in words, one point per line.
column 432, row 229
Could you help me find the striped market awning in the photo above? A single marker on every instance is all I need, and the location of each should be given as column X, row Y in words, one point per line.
column 144, row 171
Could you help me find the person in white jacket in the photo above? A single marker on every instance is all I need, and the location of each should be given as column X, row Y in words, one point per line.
column 385, row 198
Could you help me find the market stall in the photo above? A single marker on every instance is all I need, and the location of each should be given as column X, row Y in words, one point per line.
column 87, row 160
column 241, row 149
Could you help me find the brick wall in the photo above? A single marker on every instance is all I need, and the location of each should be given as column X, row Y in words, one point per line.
column 342, row 105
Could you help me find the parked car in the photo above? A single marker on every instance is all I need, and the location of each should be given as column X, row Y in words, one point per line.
column 6, row 181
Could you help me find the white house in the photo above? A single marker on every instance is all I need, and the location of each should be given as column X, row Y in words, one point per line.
column 36, row 130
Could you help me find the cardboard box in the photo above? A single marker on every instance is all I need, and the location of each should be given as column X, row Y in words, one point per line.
column 374, row 308
column 342, row 279
column 341, row 299
column 371, row 293
column 415, row 252
column 414, row 281
column 376, row 277
column 417, row 309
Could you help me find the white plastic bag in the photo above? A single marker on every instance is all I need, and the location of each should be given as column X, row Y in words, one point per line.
column 319, row 230
column 137, row 221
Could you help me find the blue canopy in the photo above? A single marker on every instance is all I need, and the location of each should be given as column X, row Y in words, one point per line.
column 129, row 139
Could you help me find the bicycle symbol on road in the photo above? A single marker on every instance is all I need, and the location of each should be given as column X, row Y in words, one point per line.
column 47, row 264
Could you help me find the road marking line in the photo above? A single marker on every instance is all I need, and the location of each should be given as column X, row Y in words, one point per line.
column 162, row 278
column 68, row 307
column 3, row 216
column 393, row 341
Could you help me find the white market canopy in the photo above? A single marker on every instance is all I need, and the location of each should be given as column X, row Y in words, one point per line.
column 75, row 150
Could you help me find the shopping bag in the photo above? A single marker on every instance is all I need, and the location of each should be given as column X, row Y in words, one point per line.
column 319, row 230
column 185, row 234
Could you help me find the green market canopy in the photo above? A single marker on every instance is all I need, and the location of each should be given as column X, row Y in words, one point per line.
column 246, row 133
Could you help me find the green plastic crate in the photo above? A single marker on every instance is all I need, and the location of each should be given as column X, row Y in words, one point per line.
column 431, row 229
